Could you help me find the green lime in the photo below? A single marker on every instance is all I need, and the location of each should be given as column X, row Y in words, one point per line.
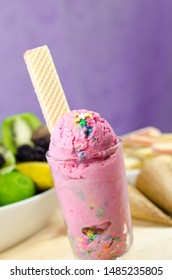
column 14, row 187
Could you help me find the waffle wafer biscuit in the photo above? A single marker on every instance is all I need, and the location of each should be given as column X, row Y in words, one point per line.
column 47, row 84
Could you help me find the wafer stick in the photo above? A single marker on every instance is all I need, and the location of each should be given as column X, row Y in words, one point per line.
column 47, row 84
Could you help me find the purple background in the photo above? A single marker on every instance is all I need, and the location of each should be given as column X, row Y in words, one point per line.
column 114, row 57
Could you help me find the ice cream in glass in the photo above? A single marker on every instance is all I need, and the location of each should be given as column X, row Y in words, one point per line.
column 86, row 160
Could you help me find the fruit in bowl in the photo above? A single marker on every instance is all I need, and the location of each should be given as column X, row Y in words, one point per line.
column 14, row 186
column 24, row 171
column 27, row 196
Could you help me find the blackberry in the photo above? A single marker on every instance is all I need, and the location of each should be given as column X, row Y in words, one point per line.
column 2, row 160
column 42, row 142
column 24, row 153
column 39, row 153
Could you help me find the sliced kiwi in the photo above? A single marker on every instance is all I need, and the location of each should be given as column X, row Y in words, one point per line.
column 9, row 160
column 17, row 130
column 22, row 132
column 41, row 132
column 31, row 119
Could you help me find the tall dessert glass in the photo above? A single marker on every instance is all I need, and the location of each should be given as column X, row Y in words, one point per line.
column 93, row 196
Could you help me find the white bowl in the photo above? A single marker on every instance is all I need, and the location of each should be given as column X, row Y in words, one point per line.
column 22, row 219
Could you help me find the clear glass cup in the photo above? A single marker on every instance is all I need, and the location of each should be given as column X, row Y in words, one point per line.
column 93, row 196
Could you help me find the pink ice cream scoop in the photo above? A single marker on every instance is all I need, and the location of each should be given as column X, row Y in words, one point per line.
column 81, row 133
column 86, row 160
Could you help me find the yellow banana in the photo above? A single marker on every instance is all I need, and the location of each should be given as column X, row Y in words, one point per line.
column 38, row 171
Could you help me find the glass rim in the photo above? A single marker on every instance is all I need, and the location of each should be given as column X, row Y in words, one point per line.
column 107, row 152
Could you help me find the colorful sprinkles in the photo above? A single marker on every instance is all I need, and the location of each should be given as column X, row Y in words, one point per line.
column 81, row 119
column 88, row 237
column 114, row 244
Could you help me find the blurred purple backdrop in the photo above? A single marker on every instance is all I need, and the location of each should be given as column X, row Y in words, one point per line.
column 114, row 57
